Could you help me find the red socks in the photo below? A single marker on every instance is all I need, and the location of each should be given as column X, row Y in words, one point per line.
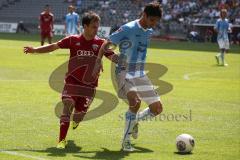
column 64, row 125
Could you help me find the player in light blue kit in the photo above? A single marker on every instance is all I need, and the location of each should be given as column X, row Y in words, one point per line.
column 133, row 84
column 222, row 27
column 72, row 22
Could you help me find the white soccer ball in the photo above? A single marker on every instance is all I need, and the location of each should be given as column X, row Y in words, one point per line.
column 185, row 143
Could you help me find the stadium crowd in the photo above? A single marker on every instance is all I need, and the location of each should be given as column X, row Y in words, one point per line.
column 178, row 16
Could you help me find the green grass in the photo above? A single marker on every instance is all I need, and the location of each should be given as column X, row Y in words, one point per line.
column 29, row 127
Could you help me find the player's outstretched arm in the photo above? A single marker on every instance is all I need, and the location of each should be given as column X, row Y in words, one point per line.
column 41, row 49
column 107, row 49
column 108, row 52
column 114, row 58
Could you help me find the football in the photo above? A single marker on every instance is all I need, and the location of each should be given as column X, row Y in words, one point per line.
column 185, row 143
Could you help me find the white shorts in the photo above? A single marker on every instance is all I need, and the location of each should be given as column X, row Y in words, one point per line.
column 223, row 44
column 142, row 85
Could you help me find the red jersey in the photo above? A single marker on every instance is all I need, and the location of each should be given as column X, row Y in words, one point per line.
column 46, row 21
column 83, row 56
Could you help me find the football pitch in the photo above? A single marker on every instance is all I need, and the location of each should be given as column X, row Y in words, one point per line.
column 201, row 99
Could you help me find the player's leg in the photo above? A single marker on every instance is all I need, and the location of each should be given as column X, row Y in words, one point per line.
column 50, row 40
column 65, row 120
column 153, row 110
column 81, row 108
column 126, row 91
column 50, row 35
column 130, row 119
column 134, row 101
column 225, row 62
column 77, row 118
column 226, row 48
column 218, row 56
column 150, row 96
column 222, row 51
column 43, row 37
column 156, row 108
column 150, row 112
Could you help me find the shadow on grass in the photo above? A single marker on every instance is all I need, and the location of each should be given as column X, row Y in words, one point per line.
column 75, row 150
column 71, row 148
column 107, row 154
column 185, row 154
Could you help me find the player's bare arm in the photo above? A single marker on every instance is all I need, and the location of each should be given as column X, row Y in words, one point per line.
column 114, row 58
column 108, row 47
column 41, row 49
column 105, row 48
column 98, row 65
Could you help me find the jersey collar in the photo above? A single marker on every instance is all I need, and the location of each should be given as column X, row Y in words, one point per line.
column 139, row 25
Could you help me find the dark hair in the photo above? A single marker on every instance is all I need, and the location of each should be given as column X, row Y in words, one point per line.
column 89, row 17
column 153, row 9
column 47, row 5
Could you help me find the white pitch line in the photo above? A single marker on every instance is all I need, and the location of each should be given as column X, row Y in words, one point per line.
column 22, row 155
column 26, row 80
column 21, row 80
column 187, row 75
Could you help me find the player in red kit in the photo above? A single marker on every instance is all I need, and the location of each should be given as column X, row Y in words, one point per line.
column 46, row 25
column 83, row 69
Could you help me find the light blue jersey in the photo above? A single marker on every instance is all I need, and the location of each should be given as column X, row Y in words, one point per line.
column 222, row 26
column 133, row 41
column 72, row 20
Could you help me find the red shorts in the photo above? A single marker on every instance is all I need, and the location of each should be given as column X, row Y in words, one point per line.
column 46, row 34
column 81, row 104
column 80, row 94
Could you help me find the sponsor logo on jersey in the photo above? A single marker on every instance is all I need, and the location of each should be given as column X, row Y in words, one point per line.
column 85, row 53
column 125, row 44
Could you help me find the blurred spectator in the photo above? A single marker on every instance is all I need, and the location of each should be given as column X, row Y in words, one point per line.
column 238, row 38
column 209, row 35
column 194, row 36
column 22, row 28
column 178, row 15
column 78, row 3
column 237, row 20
